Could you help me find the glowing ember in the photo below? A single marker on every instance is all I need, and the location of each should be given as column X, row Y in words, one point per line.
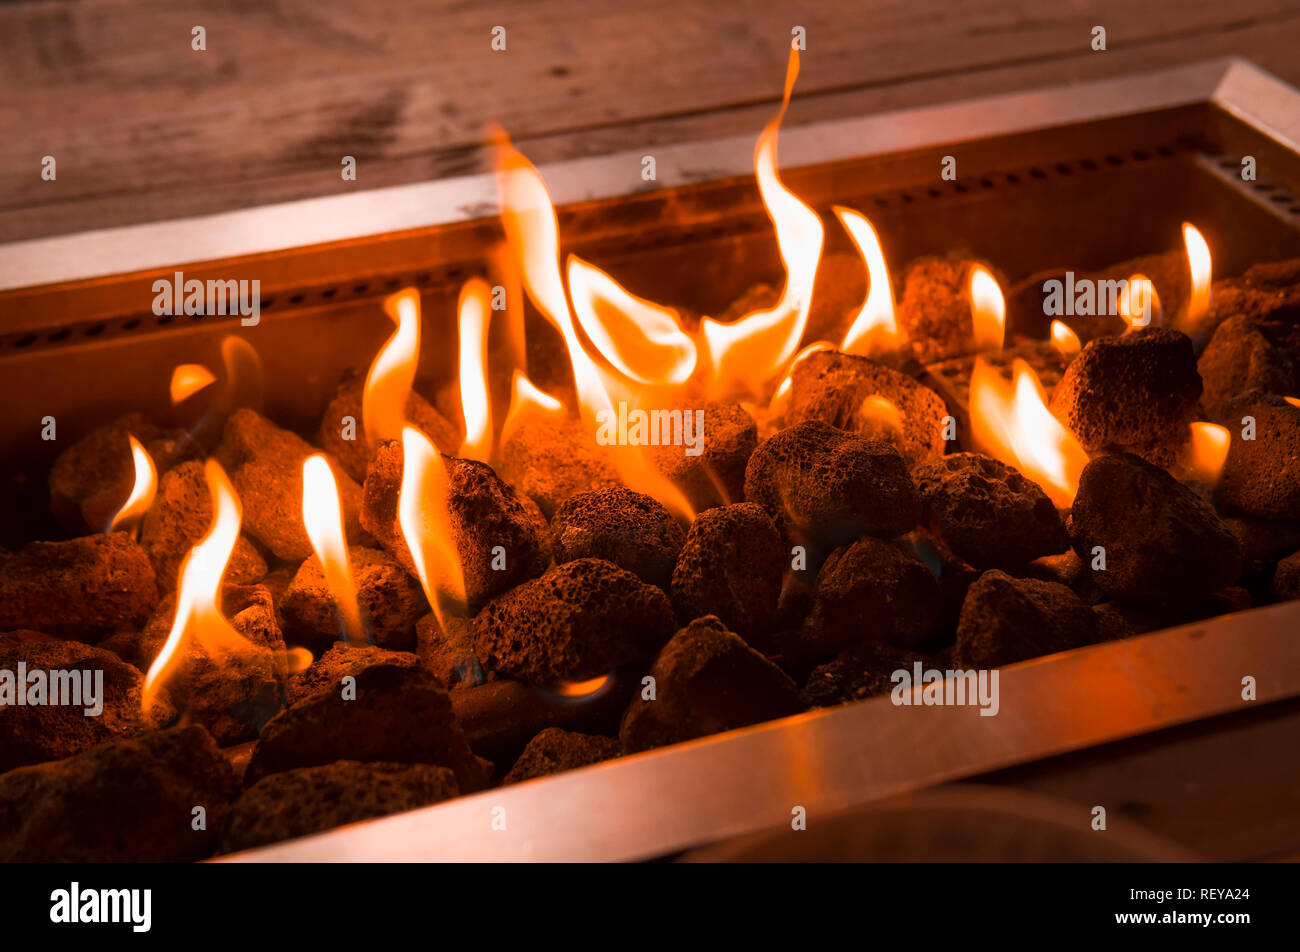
column 750, row 351
column 1064, row 339
column 1011, row 422
column 988, row 310
column 474, row 309
column 142, row 492
column 198, row 604
column 388, row 384
column 189, row 379
column 426, row 526
column 1198, row 261
column 1207, row 452
column 322, row 514
column 874, row 330
column 528, row 403
column 1139, row 305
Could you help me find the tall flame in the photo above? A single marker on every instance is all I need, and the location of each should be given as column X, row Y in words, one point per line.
column 189, row 379
column 426, row 526
column 1198, row 261
column 748, row 352
column 1207, row 451
column 1139, row 305
column 1064, row 339
column 1010, row 421
column 473, row 311
column 142, row 491
column 528, row 403
column 388, row 384
column 322, row 514
column 198, row 604
column 875, row 329
column 988, row 310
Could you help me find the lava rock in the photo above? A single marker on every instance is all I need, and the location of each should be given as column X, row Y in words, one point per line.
column 826, row 487
column 551, row 460
column 715, row 476
column 831, row 387
column 1124, row 619
column 264, row 463
column 92, row 584
column 127, row 801
column 310, row 800
column 446, row 648
column 1251, row 353
column 1136, row 393
column 731, row 566
column 580, row 620
column 707, row 680
column 180, row 516
column 327, row 672
column 391, row 601
column 1263, row 541
column 1160, row 538
column 863, row 671
column 1286, row 579
column 1261, row 477
column 987, row 512
column 934, row 310
column 630, row 529
column 555, row 751
column 1005, row 620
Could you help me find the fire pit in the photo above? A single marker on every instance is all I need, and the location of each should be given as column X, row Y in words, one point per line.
column 886, row 471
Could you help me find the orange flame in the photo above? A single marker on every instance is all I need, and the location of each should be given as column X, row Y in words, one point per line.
column 782, row 394
column 1198, row 261
column 322, row 514
column 988, row 310
column 1294, row 401
column 388, row 384
column 882, row 411
column 1011, row 422
column 1139, row 304
column 474, row 310
column 1207, row 452
column 579, row 690
column 748, row 352
column 198, row 604
column 1064, row 339
column 875, row 329
column 426, row 526
column 189, row 379
column 142, row 491
column 528, row 403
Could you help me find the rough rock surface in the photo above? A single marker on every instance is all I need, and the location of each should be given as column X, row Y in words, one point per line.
column 1005, row 620
column 555, row 750
column 630, row 529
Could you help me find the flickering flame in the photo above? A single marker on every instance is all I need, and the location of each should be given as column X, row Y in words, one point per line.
column 474, row 310
column 875, row 329
column 750, row 351
column 142, row 492
column 988, row 310
column 1139, row 305
column 1198, row 260
column 322, row 514
column 579, row 690
column 782, row 394
column 879, row 410
column 1011, row 422
column 528, row 403
column 1207, row 451
column 388, row 384
column 189, row 379
column 641, row 339
column 1294, row 401
column 198, row 603
column 1064, row 339
column 426, row 526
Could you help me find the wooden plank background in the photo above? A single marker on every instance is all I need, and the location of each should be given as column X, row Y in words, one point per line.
column 143, row 127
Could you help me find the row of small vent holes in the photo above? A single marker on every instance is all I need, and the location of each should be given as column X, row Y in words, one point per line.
column 456, row 273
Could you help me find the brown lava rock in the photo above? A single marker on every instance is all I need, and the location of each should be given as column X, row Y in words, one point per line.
column 127, row 801
column 92, row 479
column 731, row 566
column 707, row 680
column 555, row 750
column 1286, row 579
column 831, row 387
column 1005, row 620
column 327, row 672
column 862, row 671
column 551, row 460
column 447, row 649
column 874, row 591
column 630, row 529
column 391, row 601
column 1261, row 477
column 179, row 517
column 824, row 486
column 934, row 309
column 580, row 620
column 400, row 714
column 987, row 512
column 33, row 734
column 1161, row 539
column 310, row 800
column 264, row 463
column 716, row 476
column 1251, row 353
column 92, row 584
column 1135, row 393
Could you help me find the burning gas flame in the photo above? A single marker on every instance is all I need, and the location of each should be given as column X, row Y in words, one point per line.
column 1064, row 339
column 426, row 526
column 881, row 411
column 1139, row 305
column 1207, row 452
column 1198, row 261
column 1294, row 401
column 642, row 340
column 474, row 309
column 142, row 492
column 1011, row 422
column 988, row 310
column 528, row 403
column 581, row 690
column 782, row 394
column 875, row 329
column 198, row 604
column 746, row 353
column 388, row 384
column 189, row 379
column 322, row 514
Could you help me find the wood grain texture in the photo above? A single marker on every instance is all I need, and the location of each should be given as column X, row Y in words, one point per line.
column 143, row 127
